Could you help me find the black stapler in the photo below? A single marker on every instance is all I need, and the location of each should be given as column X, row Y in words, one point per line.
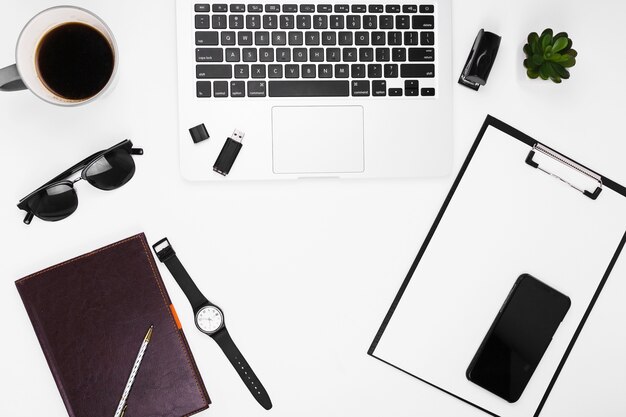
column 480, row 60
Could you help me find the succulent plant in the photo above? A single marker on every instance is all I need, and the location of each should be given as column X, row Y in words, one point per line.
column 549, row 56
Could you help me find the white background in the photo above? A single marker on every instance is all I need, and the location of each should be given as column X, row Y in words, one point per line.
column 304, row 270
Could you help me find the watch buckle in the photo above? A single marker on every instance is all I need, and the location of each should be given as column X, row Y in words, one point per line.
column 163, row 250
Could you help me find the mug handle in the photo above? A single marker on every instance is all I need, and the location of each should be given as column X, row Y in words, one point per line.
column 10, row 79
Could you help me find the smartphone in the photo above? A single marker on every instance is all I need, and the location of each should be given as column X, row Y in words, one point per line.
column 518, row 338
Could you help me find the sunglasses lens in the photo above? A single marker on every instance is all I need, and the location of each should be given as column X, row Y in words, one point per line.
column 54, row 203
column 111, row 170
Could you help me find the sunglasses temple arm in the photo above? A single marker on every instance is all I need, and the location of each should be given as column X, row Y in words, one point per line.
column 136, row 151
column 28, row 218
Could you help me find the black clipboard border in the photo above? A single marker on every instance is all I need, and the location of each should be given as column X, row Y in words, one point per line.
column 522, row 137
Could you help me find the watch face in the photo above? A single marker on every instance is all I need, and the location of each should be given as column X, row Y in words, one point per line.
column 209, row 319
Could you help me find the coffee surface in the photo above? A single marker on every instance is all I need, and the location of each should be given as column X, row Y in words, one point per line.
column 75, row 61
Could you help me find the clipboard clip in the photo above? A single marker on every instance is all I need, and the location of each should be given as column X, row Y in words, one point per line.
column 569, row 163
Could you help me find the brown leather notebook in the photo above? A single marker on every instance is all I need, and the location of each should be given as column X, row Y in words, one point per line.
column 91, row 314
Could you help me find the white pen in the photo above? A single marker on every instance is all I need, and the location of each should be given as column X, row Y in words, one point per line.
column 121, row 408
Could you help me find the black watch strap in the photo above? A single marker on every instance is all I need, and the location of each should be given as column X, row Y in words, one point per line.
column 167, row 255
column 225, row 342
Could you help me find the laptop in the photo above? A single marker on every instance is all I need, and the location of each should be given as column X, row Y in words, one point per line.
column 345, row 90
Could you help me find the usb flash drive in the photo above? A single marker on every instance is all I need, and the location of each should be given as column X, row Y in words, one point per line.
column 229, row 152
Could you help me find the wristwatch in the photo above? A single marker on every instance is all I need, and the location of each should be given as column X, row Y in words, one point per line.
column 209, row 320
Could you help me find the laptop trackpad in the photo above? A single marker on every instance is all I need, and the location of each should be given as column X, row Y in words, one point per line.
column 317, row 139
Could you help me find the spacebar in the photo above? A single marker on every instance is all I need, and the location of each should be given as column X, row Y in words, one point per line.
column 309, row 88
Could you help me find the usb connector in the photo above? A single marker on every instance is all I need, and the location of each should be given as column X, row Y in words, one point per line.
column 229, row 152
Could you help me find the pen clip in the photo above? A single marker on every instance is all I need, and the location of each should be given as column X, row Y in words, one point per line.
column 124, row 410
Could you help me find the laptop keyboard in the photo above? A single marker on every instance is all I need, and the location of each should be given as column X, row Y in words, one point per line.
column 307, row 50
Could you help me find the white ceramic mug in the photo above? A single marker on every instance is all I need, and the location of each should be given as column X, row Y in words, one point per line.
column 24, row 73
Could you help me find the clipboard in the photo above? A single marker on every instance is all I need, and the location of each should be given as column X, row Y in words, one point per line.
column 517, row 206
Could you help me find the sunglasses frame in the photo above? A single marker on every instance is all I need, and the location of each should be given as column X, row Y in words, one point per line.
column 82, row 167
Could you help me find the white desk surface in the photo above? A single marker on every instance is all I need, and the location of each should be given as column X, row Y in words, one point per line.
column 305, row 270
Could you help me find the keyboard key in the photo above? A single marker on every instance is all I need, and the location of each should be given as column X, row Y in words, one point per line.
column 307, row 8
column 233, row 55
column 258, row 71
column 218, row 21
column 292, row 71
column 275, row 71
column 383, row 54
column 283, row 55
column 207, row 38
column 357, row 70
column 228, row 38
column 395, row 91
column 270, row 21
column 261, row 38
column 242, row 71
column 378, row 38
column 374, row 71
column 342, row 8
column 342, row 71
column 403, row 22
column 333, row 54
column 360, row 88
column 311, row 38
column 353, row 22
column 386, row 22
column 255, row 8
column 222, row 8
column 287, row 21
column 427, row 8
column 209, row 55
column 279, row 38
column 349, row 55
column 214, row 71
column 249, row 55
column 361, row 38
column 290, row 8
column 300, row 54
column 266, row 55
column 379, row 88
column 237, row 8
column 324, row 8
column 409, row 8
column 202, row 8
column 202, row 21
column 326, row 88
column 336, row 21
column 370, row 22
column 423, row 22
column 366, row 54
column 421, row 54
column 296, row 38
column 320, row 22
column 392, row 8
column 411, row 38
column 411, row 84
column 398, row 54
column 427, row 38
column 256, row 89
column 394, row 38
column 308, row 71
column 272, row 8
column 329, row 38
column 428, row 92
column 325, row 71
column 391, row 71
column 376, row 8
column 220, row 88
column 253, row 21
column 359, row 8
column 411, row 92
column 244, row 38
column 303, row 21
column 417, row 70
column 345, row 38
column 237, row 89
column 316, row 54
column 203, row 89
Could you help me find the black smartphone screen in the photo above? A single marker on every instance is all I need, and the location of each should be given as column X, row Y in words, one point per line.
column 518, row 338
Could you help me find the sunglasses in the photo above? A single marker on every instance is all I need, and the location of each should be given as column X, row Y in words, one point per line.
column 105, row 170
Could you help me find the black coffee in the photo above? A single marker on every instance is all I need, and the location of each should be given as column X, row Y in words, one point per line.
column 75, row 61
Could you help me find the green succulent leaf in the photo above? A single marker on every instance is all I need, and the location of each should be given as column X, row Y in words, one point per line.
column 527, row 50
column 570, row 62
column 560, row 71
column 556, row 79
column 533, row 41
column 559, row 44
column 546, row 38
column 537, row 59
column 572, row 53
column 560, row 35
column 543, row 72
column 532, row 74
